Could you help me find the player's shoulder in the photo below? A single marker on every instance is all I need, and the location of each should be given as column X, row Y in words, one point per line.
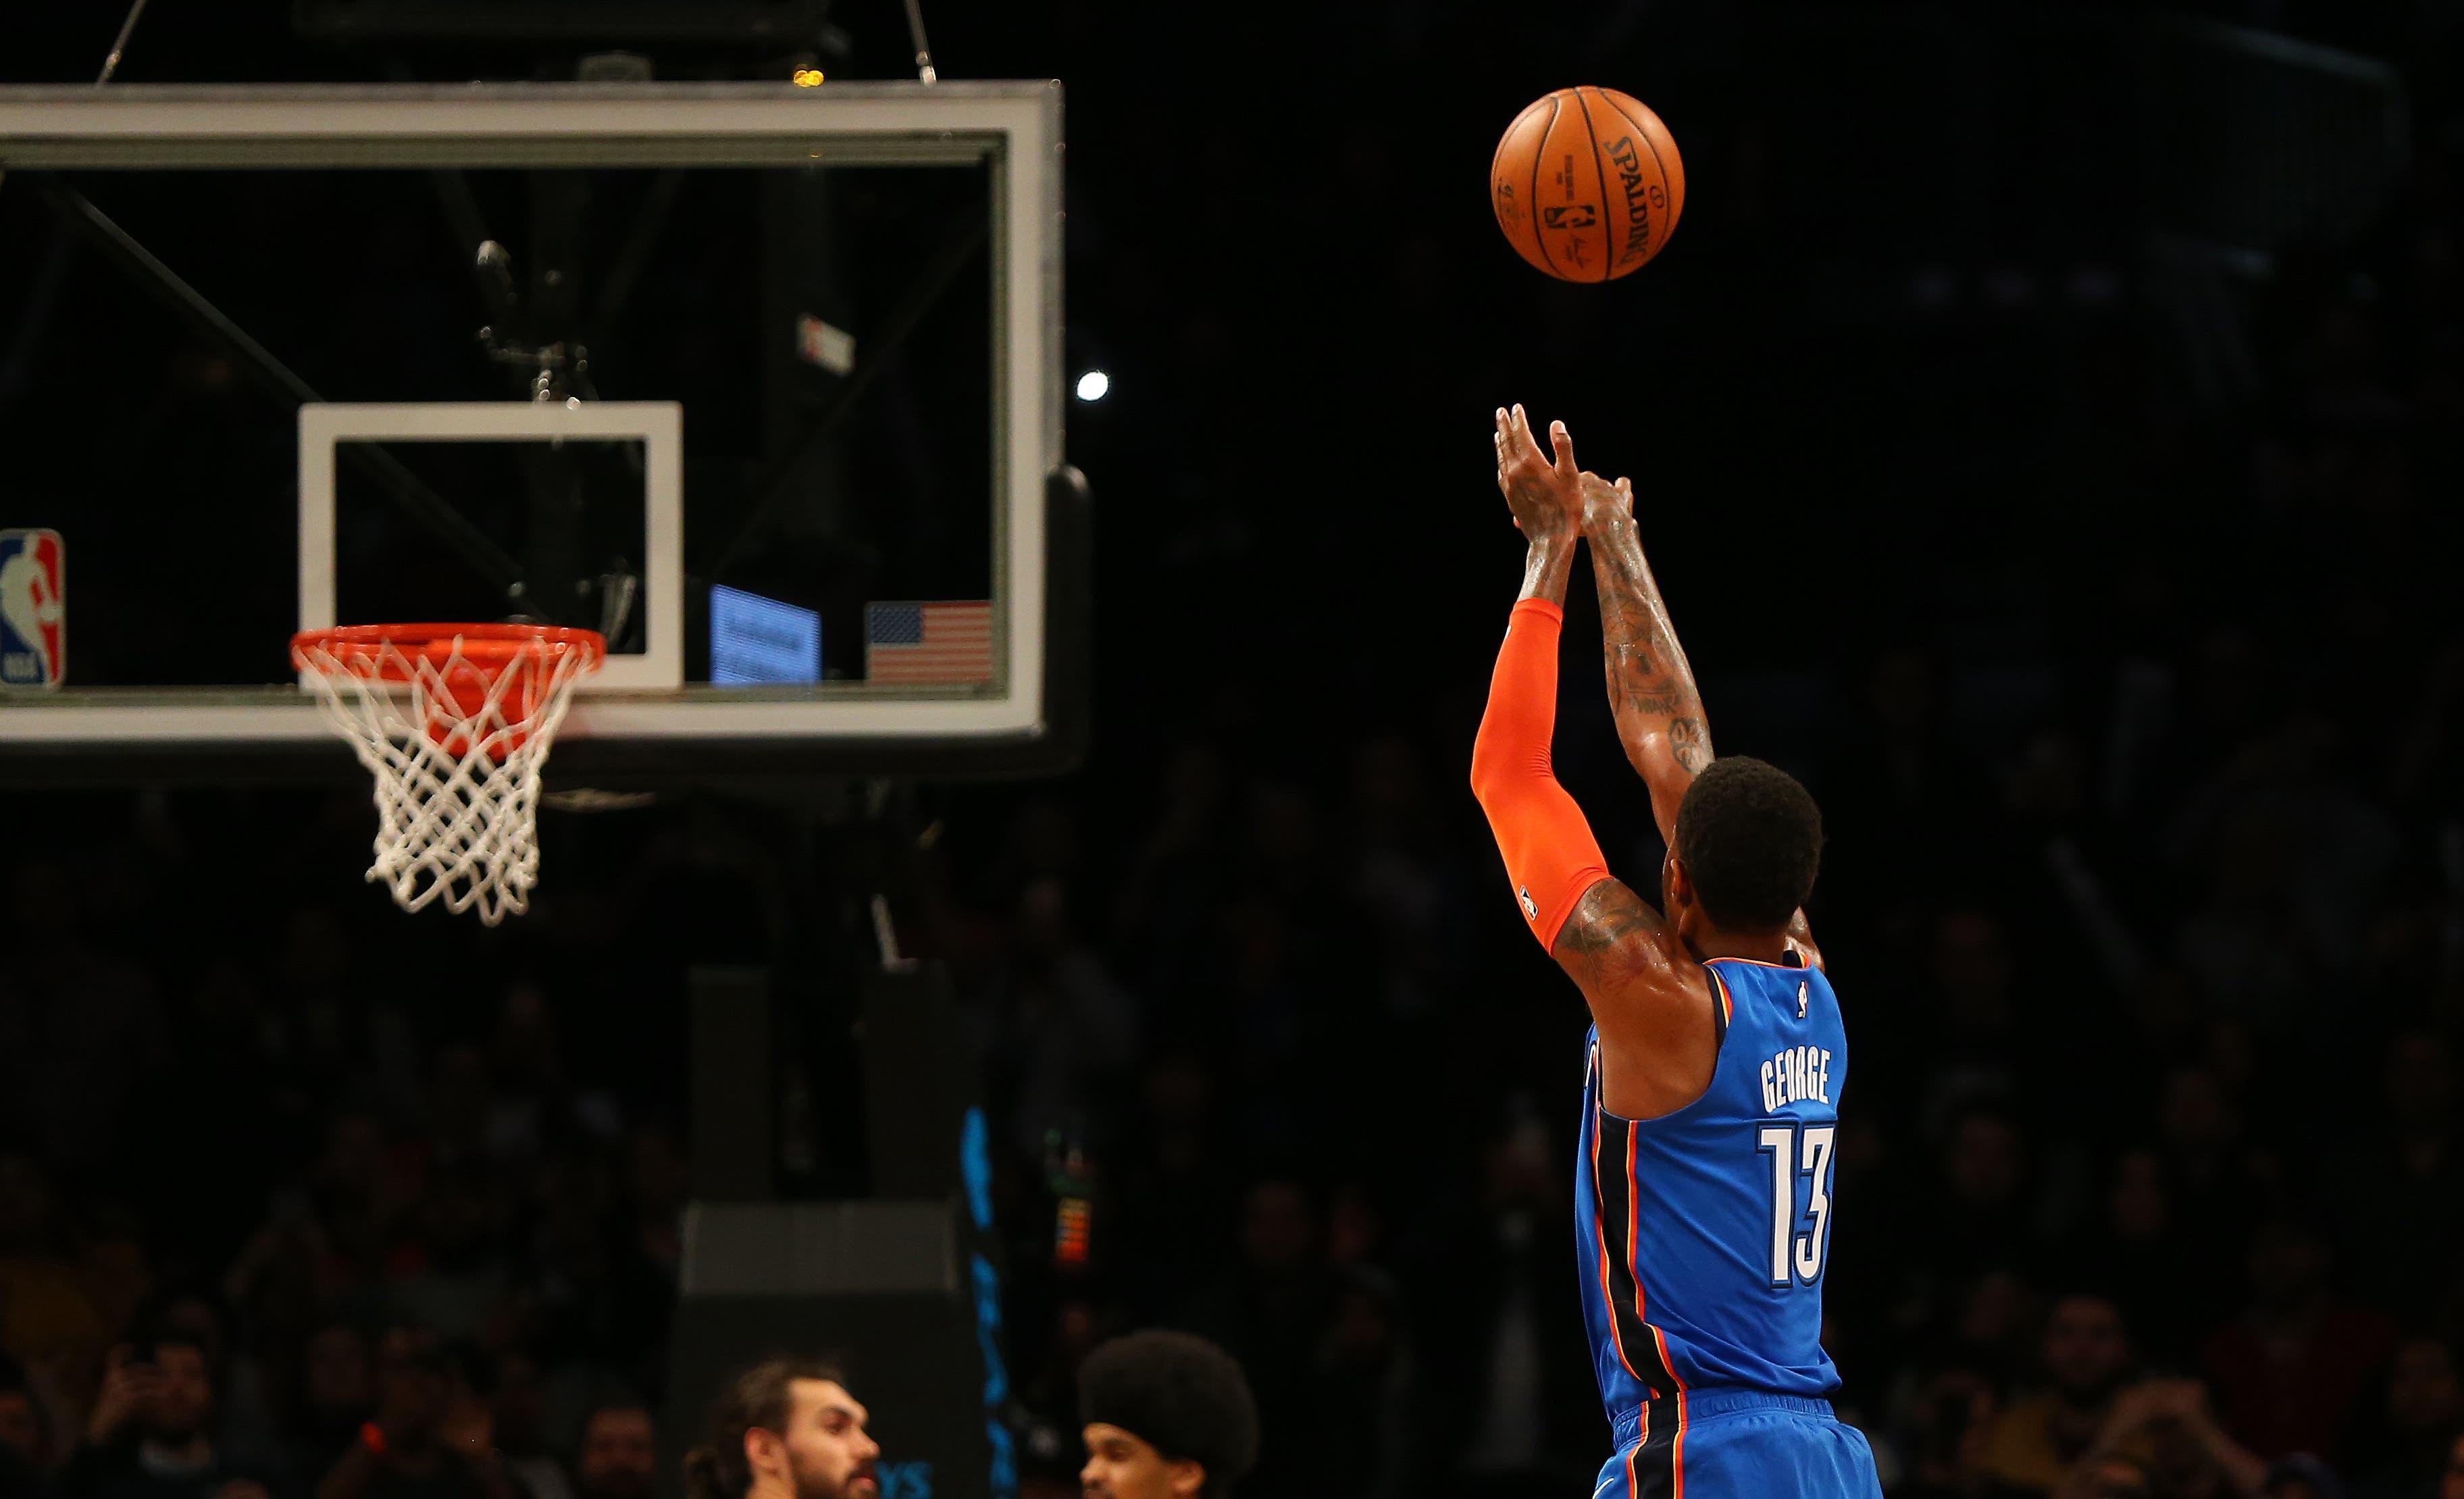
column 1614, row 939
column 1647, row 993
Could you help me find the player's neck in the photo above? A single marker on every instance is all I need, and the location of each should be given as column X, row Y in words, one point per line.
column 1713, row 942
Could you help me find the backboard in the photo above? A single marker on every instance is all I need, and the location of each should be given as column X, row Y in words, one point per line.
column 763, row 382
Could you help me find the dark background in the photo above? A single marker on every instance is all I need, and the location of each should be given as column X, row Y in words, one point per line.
column 2047, row 429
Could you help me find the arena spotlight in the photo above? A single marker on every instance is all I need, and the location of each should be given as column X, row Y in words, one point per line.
column 1094, row 386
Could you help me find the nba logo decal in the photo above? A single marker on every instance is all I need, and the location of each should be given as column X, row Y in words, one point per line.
column 33, row 609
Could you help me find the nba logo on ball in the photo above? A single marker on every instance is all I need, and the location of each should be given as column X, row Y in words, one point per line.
column 33, row 609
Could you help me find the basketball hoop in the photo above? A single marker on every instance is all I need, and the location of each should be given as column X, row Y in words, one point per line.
column 454, row 720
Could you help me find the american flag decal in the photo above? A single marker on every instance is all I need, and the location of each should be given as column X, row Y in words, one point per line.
column 937, row 644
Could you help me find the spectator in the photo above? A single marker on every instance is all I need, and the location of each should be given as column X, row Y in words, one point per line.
column 25, row 1431
column 25, row 1438
column 463, row 1273
column 2407, row 1184
column 2138, row 1252
column 50, row 1319
column 1509, row 1388
column 1979, row 1220
column 2164, row 1429
column 432, row 1438
column 2290, row 1370
column 2040, row 1439
column 517, row 1403
column 1364, row 1387
column 619, row 1457
column 1952, row 1419
column 337, row 1397
column 2406, row 1453
column 1269, row 1312
column 80, row 1033
column 150, row 1436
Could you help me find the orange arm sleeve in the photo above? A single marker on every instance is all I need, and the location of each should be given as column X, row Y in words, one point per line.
column 1551, row 854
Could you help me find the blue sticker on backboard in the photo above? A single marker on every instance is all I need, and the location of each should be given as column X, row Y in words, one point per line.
column 757, row 641
column 33, row 609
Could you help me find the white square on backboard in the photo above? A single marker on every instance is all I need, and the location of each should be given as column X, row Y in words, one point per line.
column 658, row 425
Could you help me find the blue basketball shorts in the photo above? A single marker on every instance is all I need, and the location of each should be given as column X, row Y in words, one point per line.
column 1738, row 1444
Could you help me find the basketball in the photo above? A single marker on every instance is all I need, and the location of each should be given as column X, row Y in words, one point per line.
column 1587, row 183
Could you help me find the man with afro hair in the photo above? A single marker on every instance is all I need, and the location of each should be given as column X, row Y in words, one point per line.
column 1168, row 1416
column 1716, row 1057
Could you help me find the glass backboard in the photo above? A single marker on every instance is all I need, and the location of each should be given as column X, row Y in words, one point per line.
column 762, row 382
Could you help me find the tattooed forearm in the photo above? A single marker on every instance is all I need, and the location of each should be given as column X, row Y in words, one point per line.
column 1691, row 743
column 1651, row 687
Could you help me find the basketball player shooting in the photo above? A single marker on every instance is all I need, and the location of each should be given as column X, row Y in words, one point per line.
column 1717, row 1059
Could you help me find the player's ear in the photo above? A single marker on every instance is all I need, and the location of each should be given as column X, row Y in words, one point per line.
column 763, row 1451
column 1183, row 1478
column 1681, row 886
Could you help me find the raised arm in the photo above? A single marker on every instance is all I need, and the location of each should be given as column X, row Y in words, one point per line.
column 1651, row 687
column 1549, row 848
column 1649, row 998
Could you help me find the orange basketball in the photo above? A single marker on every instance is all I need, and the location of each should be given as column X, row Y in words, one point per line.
column 1586, row 185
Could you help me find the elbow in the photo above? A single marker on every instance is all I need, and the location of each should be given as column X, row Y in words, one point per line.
column 1488, row 771
column 1502, row 772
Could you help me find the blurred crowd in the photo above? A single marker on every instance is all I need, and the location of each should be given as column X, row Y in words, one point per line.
column 286, row 1213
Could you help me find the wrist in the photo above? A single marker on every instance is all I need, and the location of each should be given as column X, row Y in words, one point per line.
column 1609, row 525
column 1545, row 571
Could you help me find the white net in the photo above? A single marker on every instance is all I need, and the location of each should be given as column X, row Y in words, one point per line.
column 455, row 730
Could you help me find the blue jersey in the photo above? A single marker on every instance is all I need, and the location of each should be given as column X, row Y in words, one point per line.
column 1701, row 1235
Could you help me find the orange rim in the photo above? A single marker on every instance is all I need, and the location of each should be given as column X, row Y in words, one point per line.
column 483, row 645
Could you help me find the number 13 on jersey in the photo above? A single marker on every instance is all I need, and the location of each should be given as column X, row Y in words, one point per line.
column 1798, row 1153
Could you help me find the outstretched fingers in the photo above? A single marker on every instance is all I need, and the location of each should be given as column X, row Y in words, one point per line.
column 1515, row 437
column 1563, row 442
column 1503, row 440
column 1520, row 435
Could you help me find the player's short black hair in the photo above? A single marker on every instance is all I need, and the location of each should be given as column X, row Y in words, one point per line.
column 1750, row 839
column 1181, row 1396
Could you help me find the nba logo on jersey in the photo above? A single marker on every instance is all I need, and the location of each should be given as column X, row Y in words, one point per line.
column 33, row 609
